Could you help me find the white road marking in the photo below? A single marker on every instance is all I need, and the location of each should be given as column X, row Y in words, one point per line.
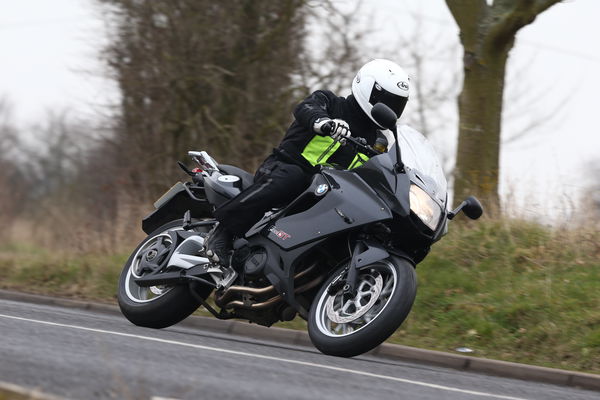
column 260, row 356
column 8, row 389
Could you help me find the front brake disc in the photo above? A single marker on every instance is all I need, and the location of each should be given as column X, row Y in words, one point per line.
column 340, row 315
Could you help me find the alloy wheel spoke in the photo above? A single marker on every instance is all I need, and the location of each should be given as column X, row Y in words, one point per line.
column 343, row 314
column 358, row 304
column 364, row 287
column 346, row 306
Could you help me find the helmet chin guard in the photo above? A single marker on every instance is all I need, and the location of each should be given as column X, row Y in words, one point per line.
column 381, row 81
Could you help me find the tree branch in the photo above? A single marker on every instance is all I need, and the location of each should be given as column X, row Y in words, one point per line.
column 468, row 14
column 511, row 15
column 543, row 5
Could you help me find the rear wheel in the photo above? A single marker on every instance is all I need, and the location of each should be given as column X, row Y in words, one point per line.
column 344, row 324
column 155, row 306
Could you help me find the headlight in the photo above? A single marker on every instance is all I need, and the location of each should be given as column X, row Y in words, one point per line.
column 424, row 207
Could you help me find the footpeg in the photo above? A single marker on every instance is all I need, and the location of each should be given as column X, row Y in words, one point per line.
column 229, row 275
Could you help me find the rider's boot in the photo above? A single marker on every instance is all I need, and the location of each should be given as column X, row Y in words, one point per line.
column 218, row 245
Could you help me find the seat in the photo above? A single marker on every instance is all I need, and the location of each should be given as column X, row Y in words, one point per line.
column 246, row 177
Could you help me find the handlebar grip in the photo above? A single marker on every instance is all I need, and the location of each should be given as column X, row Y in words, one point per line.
column 327, row 128
column 361, row 143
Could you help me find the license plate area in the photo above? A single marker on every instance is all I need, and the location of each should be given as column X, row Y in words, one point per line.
column 169, row 194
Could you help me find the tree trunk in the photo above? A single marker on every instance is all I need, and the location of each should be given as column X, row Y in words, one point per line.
column 487, row 33
column 480, row 109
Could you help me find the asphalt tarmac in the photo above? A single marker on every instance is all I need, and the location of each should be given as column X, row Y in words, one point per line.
column 83, row 354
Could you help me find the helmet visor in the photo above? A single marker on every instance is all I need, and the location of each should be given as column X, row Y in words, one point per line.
column 393, row 101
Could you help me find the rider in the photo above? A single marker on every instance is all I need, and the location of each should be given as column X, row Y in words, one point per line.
column 317, row 136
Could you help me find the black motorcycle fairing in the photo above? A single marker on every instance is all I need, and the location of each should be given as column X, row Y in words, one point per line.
column 302, row 202
column 260, row 225
column 336, row 201
column 392, row 187
column 352, row 205
column 441, row 230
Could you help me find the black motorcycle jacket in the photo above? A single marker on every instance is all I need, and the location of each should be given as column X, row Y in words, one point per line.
column 308, row 149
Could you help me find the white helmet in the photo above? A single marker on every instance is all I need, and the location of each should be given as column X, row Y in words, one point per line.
column 381, row 81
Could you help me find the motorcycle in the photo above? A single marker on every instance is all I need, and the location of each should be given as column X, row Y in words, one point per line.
column 342, row 255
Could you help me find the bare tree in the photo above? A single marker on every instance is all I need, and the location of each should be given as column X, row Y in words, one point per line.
column 13, row 184
column 487, row 34
column 335, row 48
column 430, row 58
column 522, row 116
column 201, row 74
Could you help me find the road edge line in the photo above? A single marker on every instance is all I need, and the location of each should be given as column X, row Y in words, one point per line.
column 18, row 392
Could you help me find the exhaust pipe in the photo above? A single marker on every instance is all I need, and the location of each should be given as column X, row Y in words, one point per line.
column 273, row 300
column 257, row 292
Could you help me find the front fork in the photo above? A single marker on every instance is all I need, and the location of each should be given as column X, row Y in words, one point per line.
column 365, row 252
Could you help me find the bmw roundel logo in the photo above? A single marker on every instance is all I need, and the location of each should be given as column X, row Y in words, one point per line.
column 321, row 189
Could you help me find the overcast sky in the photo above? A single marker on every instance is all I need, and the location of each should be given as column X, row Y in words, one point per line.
column 49, row 60
column 49, row 57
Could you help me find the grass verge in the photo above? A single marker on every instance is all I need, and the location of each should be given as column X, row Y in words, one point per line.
column 508, row 290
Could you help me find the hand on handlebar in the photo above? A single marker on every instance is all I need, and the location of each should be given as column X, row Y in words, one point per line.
column 362, row 146
column 338, row 129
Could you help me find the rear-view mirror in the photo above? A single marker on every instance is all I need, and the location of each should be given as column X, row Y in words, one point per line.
column 473, row 208
column 384, row 116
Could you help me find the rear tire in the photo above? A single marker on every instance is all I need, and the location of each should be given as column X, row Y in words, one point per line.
column 346, row 326
column 156, row 307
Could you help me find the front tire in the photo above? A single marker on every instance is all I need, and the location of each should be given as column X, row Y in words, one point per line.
column 157, row 306
column 348, row 325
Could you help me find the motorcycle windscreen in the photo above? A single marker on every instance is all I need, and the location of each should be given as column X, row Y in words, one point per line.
column 418, row 154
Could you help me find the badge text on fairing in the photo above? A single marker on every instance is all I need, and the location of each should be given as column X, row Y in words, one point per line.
column 279, row 233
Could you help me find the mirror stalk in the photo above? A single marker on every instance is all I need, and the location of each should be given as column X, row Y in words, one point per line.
column 470, row 206
column 458, row 209
column 399, row 167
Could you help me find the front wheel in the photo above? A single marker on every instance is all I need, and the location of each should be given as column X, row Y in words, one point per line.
column 347, row 325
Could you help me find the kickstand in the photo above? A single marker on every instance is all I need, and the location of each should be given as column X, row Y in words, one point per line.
column 218, row 314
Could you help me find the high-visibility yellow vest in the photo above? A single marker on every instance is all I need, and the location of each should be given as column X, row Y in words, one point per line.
column 321, row 148
column 359, row 160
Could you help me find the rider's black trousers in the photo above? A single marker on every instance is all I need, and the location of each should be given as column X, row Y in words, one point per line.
column 276, row 183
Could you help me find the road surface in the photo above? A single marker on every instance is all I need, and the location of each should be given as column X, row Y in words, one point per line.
column 82, row 354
